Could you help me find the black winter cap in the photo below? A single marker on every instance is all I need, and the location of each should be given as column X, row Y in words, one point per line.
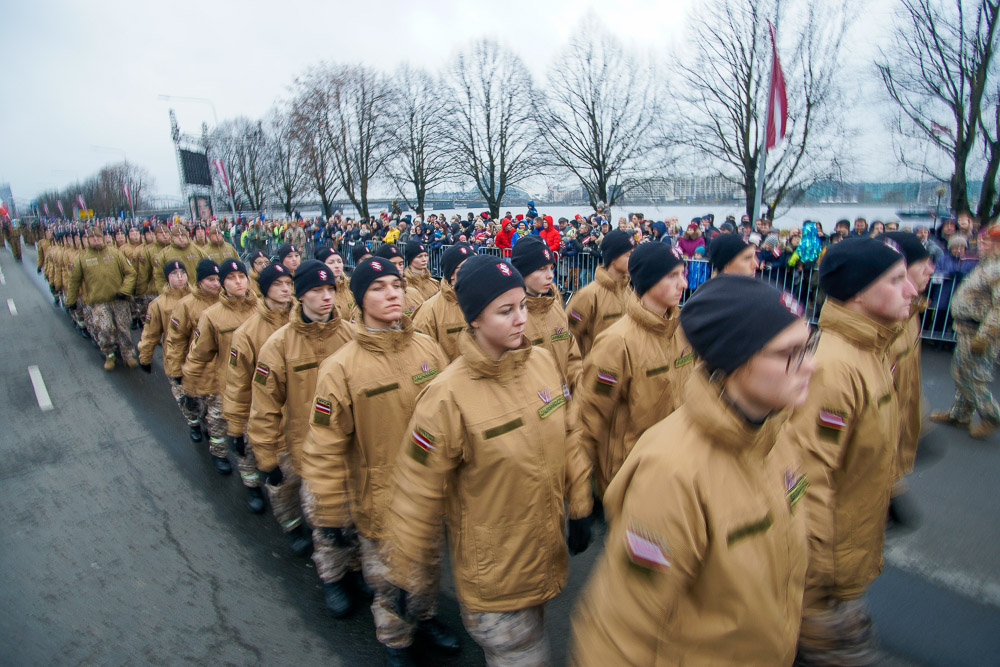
column 253, row 256
column 730, row 318
column 530, row 254
column 649, row 262
column 850, row 266
column 359, row 251
column 206, row 268
column 414, row 248
column 230, row 266
column 269, row 274
column 615, row 244
column 368, row 271
column 388, row 251
column 482, row 279
column 908, row 244
column 454, row 256
column 312, row 273
column 172, row 266
column 285, row 249
column 724, row 248
column 324, row 254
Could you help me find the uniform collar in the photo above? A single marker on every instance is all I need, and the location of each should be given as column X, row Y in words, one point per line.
column 248, row 302
column 651, row 321
column 482, row 366
column 604, row 279
column 539, row 305
column 313, row 329
column 207, row 297
column 278, row 317
column 179, row 292
column 385, row 340
column 447, row 291
column 856, row 328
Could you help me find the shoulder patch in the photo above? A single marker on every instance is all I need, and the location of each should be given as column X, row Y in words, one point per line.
column 560, row 334
column 233, row 356
column 261, row 372
column 606, row 380
column 576, row 316
column 175, row 324
column 687, row 356
column 646, row 551
column 421, row 445
column 425, row 374
column 322, row 411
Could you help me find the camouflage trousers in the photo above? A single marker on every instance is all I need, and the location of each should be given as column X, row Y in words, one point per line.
column 332, row 561
column 215, row 425
column 286, row 503
column 836, row 633
column 973, row 374
column 247, row 465
column 192, row 407
column 111, row 321
column 139, row 306
column 510, row 638
column 391, row 628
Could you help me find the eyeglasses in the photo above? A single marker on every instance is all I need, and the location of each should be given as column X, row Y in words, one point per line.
column 796, row 356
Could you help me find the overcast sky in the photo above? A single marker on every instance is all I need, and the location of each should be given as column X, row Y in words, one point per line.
column 79, row 75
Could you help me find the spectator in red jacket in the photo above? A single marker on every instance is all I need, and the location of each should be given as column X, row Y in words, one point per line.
column 551, row 235
column 503, row 237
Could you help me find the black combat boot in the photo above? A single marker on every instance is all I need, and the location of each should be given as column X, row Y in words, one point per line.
column 300, row 540
column 338, row 600
column 437, row 635
column 222, row 465
column 398, row 657
column 360, row 586
column 196, row 433
column 255, row 500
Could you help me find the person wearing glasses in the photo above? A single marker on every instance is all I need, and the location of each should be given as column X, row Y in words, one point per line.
column 847, row 432
column 705, row 556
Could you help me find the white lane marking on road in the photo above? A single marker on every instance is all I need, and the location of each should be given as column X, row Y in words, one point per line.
column 41, row 393
column 966, row 584
column 11, row 307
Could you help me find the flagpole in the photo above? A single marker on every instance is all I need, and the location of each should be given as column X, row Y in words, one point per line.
column 762, row 159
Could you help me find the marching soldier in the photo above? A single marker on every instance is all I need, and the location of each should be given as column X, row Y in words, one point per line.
column 291, row 256
column 204, row 371
column 440, row 317
column 150, row 261
column 975, row 311
column 706, row 520
column 420, row 285
column 601, row 303
column 847, row 433
column 275, row 283
column 106, row 280
column 41, row 247
column 284, row 386
column 344, row 301
column 364, row 398
column 183, row 250
column 635, row 373
column 499, row 465
column 217, row 249
column 158, row 314
column 730, row 255
column 257, row 261
column 180, row 337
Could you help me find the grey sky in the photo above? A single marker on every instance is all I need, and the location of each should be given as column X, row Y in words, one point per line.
column 83, row 74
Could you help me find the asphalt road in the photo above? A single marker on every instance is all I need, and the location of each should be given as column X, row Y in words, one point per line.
column 121, row 544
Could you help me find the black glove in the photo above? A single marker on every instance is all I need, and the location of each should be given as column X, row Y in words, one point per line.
column 177, row 379
column 38, row 270
column 579, row 535
column 122, row 297
column 275, row 477
column 71, row 308
column 146, row 368
column 238, row 444
column 336, row 535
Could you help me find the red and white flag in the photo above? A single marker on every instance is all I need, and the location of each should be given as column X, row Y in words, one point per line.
column 777, row 109
column 46, row 207
column 128, row 194
column 221, row 168
column 59, row 205
column 83, row 205
column 4, row 211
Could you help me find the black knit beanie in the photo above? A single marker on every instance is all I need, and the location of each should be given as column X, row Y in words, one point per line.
column 482, row 279
column 907, row 243
column 230, row 266
column 615, row 244
column 530, row 254
column 206, row 268
column 312, row 273
column 368, row 271
column 172, row 266
column 730, row 318
column 649, row 262
column 252, row 257
column 850, row 266
column 359, row 251
column 414, row 248
column 324, row 254
column 388, row 251
column 269, row 274
column 454, row 256
column 724, row 248
column 287, row 248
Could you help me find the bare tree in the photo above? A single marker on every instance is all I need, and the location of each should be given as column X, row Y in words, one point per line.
column 242, row 145
column 600, row 115
column 310, row 109
column 417, row 131
column 103, row 191
column 491, row 137
column 724, row 88
column 286, row 176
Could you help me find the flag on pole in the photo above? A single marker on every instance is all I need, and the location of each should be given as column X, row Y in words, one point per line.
column 221, row 168
column 128, row 194
column 777, row 110
column 46, row 207
column 4, row 212
column 59, row 205
column 938, row 128
column 83, row 205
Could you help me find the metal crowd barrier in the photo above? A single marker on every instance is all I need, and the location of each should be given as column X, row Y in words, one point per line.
column 572, row 273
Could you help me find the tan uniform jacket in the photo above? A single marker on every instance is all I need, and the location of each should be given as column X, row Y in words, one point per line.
column 848, row 432
column 422, row 282
column 53, row 266
column 633, row 377
column 219, row 252
column 284, row 385
column 158, row 322
column 254, row 277
column 905, row 355
column 68, row 261
column 42, row 249
column 148, row 265
column 189, row 256
column 440, row 317
column 489, row 448
column 598, row 305
column 243, row 352
column 364, row 399
column 105, row 273
column 208, row 359
column 180, row 332
column 548, row 327
column 343, row 300
column 705, row 555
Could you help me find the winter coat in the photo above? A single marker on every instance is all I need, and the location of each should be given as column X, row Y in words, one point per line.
column 180, row 334
column 158, row 322
column 104, row 273
column 147, row 264
column 208, row 359
column 487, row 447
column 189, row 256
column 441, row 318
column 551, row 235
column 219, row 252
column 596, row 306
column 905, row 355
column 548, row 327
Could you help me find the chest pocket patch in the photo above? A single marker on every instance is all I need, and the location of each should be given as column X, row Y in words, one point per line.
column 497, row 431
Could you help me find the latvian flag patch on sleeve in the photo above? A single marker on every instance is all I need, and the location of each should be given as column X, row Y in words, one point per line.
column 605, row 381
column 422, row 445
column 260, row 373
column 576, row 316
column 322, row 411
column 645, row 552
column 831, row 424
column 174, row 323
column 233, row 356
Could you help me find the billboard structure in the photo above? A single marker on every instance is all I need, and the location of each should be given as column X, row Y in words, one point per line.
column 193, row 169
